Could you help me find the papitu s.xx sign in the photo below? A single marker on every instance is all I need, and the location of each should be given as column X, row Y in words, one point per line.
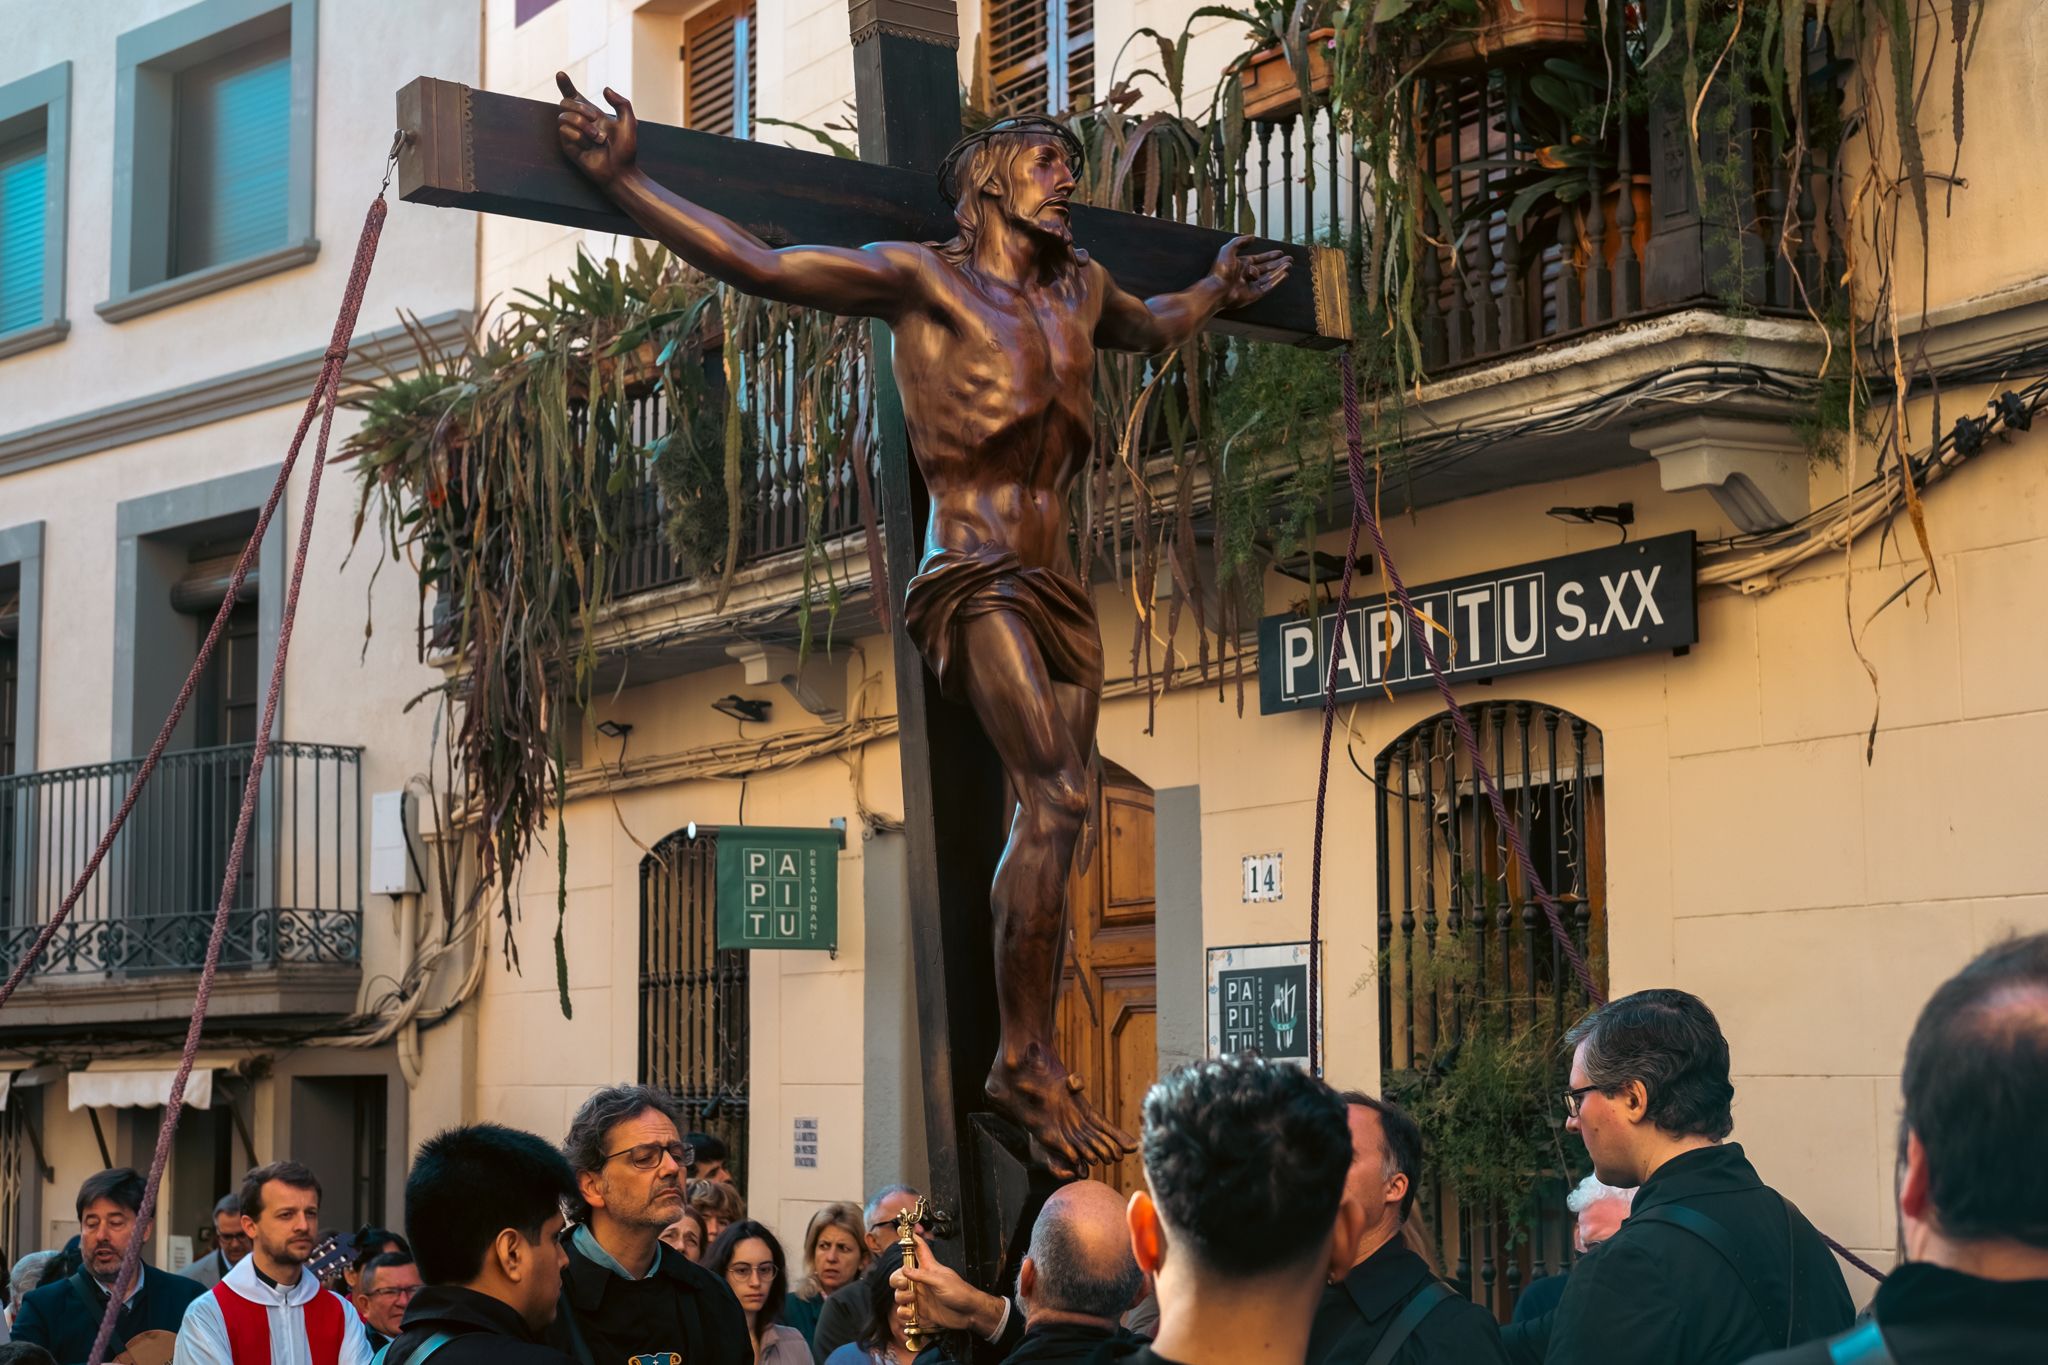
column 1624, row 599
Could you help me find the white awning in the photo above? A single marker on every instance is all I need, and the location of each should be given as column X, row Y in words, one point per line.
column 144, row 1083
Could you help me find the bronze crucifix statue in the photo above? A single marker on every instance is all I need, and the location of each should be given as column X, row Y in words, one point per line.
column 994, row 338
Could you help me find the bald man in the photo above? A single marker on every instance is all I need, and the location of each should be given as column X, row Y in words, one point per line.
column 1077, row 1280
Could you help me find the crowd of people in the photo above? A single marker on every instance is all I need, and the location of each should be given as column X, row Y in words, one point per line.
column 1275, row 1226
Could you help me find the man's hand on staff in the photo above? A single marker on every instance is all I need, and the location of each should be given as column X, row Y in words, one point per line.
column 942, row 1300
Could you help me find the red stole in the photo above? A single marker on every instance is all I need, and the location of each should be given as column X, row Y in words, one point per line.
column 248, row 1327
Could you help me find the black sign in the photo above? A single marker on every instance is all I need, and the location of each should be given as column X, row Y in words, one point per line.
column 1258, row 1001
column 1573, row 609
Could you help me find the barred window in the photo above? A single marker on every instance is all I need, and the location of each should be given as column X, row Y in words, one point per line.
column 1474, row 992
column 693, row 994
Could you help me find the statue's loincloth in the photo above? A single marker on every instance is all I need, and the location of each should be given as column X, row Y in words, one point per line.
column 953, row 587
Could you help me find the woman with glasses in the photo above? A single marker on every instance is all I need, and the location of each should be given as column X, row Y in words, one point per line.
column 749, row 1259
column 834, row 1253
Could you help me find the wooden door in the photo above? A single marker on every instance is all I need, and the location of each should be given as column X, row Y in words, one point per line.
column 1109, row 983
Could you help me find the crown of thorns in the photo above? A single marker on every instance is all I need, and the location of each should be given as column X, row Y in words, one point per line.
column 949, row 169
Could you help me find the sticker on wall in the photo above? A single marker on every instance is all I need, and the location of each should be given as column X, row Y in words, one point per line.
column 804, row 1144
column 1261, row 877
column 1258, row 1001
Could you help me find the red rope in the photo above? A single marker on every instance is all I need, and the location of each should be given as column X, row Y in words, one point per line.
column 1362, row 515
column 325, row 388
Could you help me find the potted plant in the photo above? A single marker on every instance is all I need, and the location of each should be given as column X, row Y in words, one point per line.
column 1290, row 67
column 1494, row 31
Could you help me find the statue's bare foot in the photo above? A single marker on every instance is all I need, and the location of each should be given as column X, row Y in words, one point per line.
column 1038, row 1093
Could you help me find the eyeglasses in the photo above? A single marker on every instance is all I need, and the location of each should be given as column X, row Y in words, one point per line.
column 646, row 1156
column 889, row 1225
column 764, row 1273
column 1574, row 1095
column 396, row 1291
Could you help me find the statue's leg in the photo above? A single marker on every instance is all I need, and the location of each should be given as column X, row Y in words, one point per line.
column 1014, row 697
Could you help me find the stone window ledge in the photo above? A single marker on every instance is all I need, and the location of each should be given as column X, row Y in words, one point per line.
column 200, row 283
column 29, row 338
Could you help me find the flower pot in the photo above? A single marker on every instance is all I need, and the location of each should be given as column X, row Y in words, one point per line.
column 1271, row 92
column 1505, row 32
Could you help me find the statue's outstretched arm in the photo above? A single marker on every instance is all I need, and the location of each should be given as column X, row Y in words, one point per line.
column 1165, row 321
column 872, row 281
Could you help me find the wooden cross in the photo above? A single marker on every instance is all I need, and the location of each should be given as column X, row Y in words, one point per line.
column 499, row 154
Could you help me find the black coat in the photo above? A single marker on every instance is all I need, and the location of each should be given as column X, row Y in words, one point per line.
column 64, row 1317
column 682, row 1308
column 1657, row 1294
column 843, row 1318
column 484, row 1331
column 1932, row 1316
column 1355, row 1314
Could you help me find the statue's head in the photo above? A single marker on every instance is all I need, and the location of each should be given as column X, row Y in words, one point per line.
column 1021, row 171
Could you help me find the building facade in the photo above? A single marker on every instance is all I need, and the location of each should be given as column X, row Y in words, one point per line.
column 1661, row 629
column 183, row 184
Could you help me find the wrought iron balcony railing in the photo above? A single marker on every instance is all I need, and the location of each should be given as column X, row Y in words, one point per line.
column 150, row 907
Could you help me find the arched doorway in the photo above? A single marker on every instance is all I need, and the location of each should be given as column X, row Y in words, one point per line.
column 1108, row 1013
column 693, row 994
column 1474, row 993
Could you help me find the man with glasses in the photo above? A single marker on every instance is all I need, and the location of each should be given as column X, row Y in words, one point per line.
column 1712, row 1266
column 230, row 1244
column 627, row 1299
column 384, row 1289
column 847, row 1309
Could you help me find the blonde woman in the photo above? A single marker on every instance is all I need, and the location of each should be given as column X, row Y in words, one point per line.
column 719, row 1206
column 835, row 1251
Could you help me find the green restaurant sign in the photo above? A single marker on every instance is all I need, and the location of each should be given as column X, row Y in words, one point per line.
column 778, row 888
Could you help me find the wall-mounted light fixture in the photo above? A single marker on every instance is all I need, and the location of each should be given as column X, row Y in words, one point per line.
column 742, row 708
column 614, row 729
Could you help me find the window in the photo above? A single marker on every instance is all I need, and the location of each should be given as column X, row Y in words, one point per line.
column 233, row 168
column 213, row 151
column 1468, row 966
column 693, row 994
column 1038, row 56
column 719, row 61
column 34, row 118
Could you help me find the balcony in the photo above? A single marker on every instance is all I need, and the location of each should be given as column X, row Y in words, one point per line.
column 1607, row 301
column 136, row 938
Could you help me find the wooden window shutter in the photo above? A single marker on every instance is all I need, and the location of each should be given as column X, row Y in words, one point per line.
column 1078, row 56
column 1038, row 55
column 23, row 166
column 719, row 65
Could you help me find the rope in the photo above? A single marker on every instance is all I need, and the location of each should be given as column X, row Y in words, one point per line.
column 1362, row 514
column 321, row 401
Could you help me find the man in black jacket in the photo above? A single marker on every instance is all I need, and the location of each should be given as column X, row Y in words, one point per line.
column 626, row 1298
column 1389, row 1290
column 483, row 1208
column 1075, row 1283
column 64, row 1315
column 1713, row 1266
column 1973, row 1188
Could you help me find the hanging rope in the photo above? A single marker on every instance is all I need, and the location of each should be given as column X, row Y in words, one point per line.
column 321, row 401
column 1362, row 515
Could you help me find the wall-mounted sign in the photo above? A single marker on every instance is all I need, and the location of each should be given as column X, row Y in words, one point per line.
column 778, row 888
column 1573, row 609
column 804, row 1144
column 1258, row 1001
column 1261, row 878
